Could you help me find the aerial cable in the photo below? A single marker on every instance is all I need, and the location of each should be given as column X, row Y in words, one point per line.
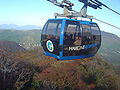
column 111, row 9
column 106, row 23
column 107, row 7
column 97, row 4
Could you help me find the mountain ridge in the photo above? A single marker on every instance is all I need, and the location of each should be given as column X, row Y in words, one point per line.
column 17, row 27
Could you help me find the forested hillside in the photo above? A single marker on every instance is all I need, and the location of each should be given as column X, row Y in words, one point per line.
column 110, row 48
column 31, row 70
column 27, row 39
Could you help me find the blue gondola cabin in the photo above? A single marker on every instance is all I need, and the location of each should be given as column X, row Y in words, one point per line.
column 67, row 39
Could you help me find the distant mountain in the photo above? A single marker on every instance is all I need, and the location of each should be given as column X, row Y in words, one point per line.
column 16, row 27
column 28, row 27
column 8, row 26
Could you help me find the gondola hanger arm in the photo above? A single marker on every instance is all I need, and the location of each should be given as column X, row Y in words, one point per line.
column 68, row 11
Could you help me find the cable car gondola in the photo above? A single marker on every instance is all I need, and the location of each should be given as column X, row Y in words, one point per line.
column 67, row 39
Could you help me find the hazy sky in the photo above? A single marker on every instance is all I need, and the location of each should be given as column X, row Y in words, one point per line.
column 36, row 12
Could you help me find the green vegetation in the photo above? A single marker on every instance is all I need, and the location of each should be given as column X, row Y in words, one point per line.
column 110, row 48
column 27, row 39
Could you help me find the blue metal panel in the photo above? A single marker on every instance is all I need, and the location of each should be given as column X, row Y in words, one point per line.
column 91, row 45
column 76, row 57
column 64, row 19
column 52, row 55
column 62, row 36
column 87, row 22
column 81, row 21
column 68, row 57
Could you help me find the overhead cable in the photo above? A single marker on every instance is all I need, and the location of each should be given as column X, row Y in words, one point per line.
column 106, row 23
column 111, row 9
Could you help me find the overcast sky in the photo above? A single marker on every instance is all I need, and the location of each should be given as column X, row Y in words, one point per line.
column 36, row 12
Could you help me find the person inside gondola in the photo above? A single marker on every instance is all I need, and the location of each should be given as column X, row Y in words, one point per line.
column 85, row 41
column 78, row 41
column 89, row 40
column 68, row 40
column 94, row 38
column 56, row 44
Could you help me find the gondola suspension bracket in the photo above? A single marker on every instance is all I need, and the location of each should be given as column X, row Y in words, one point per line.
column 70, row 13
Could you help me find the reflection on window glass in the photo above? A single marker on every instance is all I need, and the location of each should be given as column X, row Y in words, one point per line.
column 51, row 28
column 96, row 38
column 72, row 33
column 71, row 28
column 44, row 28
column 95, row 33
column 86, row 34
column 57, row 33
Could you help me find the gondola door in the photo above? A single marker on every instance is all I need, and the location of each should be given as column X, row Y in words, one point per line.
column 72, row 38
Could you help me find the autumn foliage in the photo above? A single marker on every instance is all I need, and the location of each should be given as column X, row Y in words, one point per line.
column 31, row 70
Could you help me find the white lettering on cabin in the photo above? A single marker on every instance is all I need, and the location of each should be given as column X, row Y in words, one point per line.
column 76, row 48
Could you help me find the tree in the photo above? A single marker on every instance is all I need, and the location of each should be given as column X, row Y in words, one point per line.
column 14, row 73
